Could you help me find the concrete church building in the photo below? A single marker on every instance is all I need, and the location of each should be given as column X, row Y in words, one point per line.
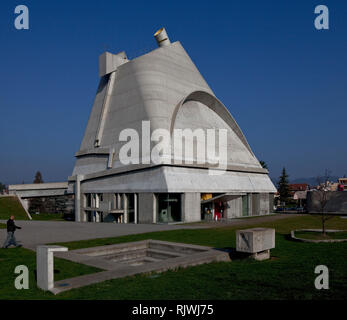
column 162, row 89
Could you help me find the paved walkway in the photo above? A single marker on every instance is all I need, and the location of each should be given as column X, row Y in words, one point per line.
column 34, row 233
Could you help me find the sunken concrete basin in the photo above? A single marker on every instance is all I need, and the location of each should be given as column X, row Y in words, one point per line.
column 128, row 259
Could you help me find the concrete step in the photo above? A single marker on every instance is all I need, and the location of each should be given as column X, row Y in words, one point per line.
column 174, row 248
column 142, row 260
column 127, row 255
column 162, row 254
column 113, row 249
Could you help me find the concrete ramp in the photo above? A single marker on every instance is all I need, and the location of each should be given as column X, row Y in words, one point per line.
column 33, row 190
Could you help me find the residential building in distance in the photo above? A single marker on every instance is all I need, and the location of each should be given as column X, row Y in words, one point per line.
column 299, row 192
column 342, row 185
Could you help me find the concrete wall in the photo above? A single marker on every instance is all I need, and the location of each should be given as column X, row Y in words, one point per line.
column 264, row 204
column 177, row 179
column 191, row 207
column 234, row 208
column 337, row 201
column 250, row 208
column 255, row 204
column 147, row 208
column 31, row 190
column 271, row 202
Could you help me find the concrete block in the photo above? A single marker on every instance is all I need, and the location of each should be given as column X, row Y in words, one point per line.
column 109, row 62
column 45, row 265
column 256, row 241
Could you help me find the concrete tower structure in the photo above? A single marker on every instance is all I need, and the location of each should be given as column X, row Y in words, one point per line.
column 136, row 103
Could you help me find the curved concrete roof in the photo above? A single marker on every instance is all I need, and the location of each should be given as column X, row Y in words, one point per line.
column 217, row 106
column 157, row 87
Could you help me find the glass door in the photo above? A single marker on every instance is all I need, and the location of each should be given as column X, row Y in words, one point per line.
column 169, row 207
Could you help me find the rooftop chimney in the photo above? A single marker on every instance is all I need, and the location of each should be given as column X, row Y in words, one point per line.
column 162, row 38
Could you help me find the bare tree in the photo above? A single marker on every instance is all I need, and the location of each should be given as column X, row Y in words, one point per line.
column 323, row 197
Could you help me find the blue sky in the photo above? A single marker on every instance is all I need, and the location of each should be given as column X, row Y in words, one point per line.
column 284, row 82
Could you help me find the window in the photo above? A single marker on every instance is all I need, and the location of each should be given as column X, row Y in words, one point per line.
column 88, row 200
column 245, row 208
column 169, row 207
column 93, row 200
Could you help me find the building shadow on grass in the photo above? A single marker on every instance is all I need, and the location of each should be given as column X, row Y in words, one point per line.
column 233, row 254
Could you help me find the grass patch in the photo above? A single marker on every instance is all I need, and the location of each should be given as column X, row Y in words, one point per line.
column 289, row 276
column 319, row 236
column 10, row 258
column 214, row 237
column 11, row 206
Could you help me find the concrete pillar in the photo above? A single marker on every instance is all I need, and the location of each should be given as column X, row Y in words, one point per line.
column 235, row 207
column 45, row 265
column 78, row 198
column 271, row 202
column 264, row 203
column 191, row 207
column 126, row 211
column 104, row 109
column 135, row 208
column 255, row 204
column 249, row 199
column 146, row 208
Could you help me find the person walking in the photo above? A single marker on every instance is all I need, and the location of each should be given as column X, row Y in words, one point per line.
column 11, row 239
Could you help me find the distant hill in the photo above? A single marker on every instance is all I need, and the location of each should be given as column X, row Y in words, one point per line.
column 310, row 181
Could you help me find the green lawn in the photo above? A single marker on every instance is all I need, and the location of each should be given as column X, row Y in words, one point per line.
column 216, row 237
column 11, row 206
column 319, row 236
column 10, row 258
column 288, row 275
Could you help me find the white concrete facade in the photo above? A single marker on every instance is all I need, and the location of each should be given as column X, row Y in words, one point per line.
column 165, row 88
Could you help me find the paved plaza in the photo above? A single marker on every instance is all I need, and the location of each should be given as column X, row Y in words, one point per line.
column 34, row 233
